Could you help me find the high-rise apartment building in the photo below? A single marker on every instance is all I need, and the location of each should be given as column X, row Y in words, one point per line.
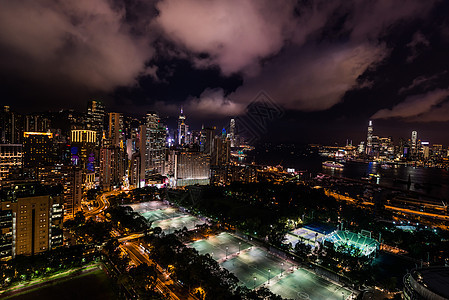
column 37, row 149
column 70, row 178
column 437, row 151
column 425, row 150
column 85, row 154
column 207, row 140
column 10, row 159
column 95, row 118
column 112, row 167
column 36, row 123
column 155, row 144
column 233, row 173
column 10, row 127
column 221, row 152
column 116, row 130
column 31, row 218
column 191, row 168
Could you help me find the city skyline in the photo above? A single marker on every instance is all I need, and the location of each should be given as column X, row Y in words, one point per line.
column 331, row 67
column 221, row 150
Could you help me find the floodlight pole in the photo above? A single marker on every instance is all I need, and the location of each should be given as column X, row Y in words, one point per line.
column 227, row 252
column 240, row 243
column 269, row 275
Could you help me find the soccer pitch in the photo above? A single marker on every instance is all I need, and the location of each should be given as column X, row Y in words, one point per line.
column 216, row 246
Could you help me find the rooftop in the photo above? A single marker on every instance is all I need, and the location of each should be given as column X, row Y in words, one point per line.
column 435, row 279
column 27, row 189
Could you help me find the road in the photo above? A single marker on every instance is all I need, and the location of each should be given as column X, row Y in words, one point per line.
column 163, row 284
column 103, row 203
column 21, row 287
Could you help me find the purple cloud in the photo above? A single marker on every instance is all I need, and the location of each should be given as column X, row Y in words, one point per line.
column 418, row 107
column 87, row 42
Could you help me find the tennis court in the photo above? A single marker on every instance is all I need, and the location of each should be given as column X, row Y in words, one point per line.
column 170, row 225
column 148, row 206
column 303, row 284
column 216, row 246
column 164, row 216
column 161, row 214
column 255, row 267
column 304, row 235
column 252, row 265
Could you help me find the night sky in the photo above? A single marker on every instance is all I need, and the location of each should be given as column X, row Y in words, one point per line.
column 331, row 65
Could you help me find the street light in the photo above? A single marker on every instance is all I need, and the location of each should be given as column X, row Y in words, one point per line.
column 227, row 252
column 240, row 243
column 255, row 282
column 282, row 268
column 269, row 275
column 212, row 255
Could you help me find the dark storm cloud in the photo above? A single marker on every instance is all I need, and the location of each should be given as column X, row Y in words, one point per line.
column 420, row 107
column 422, row 83
column 85, row 42
column 305, row 55
column 214, row 56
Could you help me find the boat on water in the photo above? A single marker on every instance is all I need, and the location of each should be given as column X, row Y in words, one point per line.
column 332, row 164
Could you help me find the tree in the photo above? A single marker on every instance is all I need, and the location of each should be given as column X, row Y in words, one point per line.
column 79, row 218
column 157, row 230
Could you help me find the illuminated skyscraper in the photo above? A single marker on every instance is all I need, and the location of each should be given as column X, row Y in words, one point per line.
column 116, row 130
column 207, row 140
column 182, row 129
column 369, row 138
column 84, row 154
column 95, row 117
column 10, row 159
column 36, row 123
column 425, row 150
column 191, row 168
column 414, row 141
column 155, row 137
column 232, row 132
column 113, row 154
column 10, row 127
column 37, row 147
column 71, row 180
column 221, row 151
column 31, row 217
column 112, row 167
